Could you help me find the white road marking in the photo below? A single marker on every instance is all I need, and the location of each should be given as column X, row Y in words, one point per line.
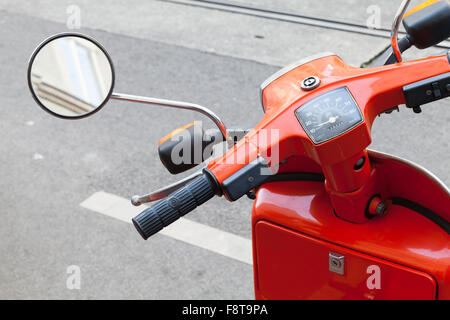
column 38, row 156
column 194, row 233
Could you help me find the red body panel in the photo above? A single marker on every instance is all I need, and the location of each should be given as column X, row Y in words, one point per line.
column 294, row 220
column 295, row 266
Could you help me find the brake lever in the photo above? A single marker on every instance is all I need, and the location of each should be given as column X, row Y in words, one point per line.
column 164, row 192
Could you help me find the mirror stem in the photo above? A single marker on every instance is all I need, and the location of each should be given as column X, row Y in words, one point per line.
column 175, row 104
column 395, row 27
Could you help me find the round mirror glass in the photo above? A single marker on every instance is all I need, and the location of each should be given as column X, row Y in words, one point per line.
column 70, row 75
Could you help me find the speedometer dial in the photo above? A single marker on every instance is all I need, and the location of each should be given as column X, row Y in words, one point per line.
column 329, row 115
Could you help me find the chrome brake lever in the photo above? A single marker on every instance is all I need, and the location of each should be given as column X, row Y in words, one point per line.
column 164, row 192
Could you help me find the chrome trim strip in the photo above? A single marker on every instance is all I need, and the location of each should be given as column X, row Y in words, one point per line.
column 426, row 172
column 291, row 67
column 175, row 104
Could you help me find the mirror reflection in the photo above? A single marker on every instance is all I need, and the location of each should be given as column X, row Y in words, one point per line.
column 71, row 76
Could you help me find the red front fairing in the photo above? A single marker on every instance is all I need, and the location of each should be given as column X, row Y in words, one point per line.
column 295, row 230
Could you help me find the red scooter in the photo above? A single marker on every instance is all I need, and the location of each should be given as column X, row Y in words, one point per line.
column 331, row 219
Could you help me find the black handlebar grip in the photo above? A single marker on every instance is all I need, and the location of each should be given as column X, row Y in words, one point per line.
column 174, row 206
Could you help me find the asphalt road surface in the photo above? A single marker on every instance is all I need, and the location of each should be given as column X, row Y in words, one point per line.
column 51, row 166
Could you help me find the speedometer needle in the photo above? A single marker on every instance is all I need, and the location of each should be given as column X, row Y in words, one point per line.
column 331, row 120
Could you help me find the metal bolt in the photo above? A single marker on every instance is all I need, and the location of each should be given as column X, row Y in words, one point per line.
column 310, row 83
column 377, row 207
column 360, row 163
column 448, row 87
column 251, row 179
column 381, row 209
column 429, row 92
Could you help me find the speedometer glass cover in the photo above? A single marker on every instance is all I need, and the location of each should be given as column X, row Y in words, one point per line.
column 329, row 115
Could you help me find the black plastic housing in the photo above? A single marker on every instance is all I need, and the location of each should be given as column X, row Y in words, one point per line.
column 246, row 179
column 189, row 139
column 429, row 26
column 427, row 90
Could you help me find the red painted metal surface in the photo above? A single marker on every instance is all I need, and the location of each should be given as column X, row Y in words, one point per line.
column 295, row 266
column 375, row 90
column 409, row 246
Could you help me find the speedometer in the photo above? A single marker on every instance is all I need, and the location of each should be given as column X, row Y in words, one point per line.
column 329, row 115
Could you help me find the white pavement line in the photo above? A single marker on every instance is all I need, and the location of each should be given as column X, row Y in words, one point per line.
column 194, row 233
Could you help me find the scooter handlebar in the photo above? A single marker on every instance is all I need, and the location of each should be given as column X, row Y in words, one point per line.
column 174, row 206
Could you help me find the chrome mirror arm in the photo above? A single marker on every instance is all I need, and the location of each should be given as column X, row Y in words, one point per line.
column 395, row 27
column 175, row 104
